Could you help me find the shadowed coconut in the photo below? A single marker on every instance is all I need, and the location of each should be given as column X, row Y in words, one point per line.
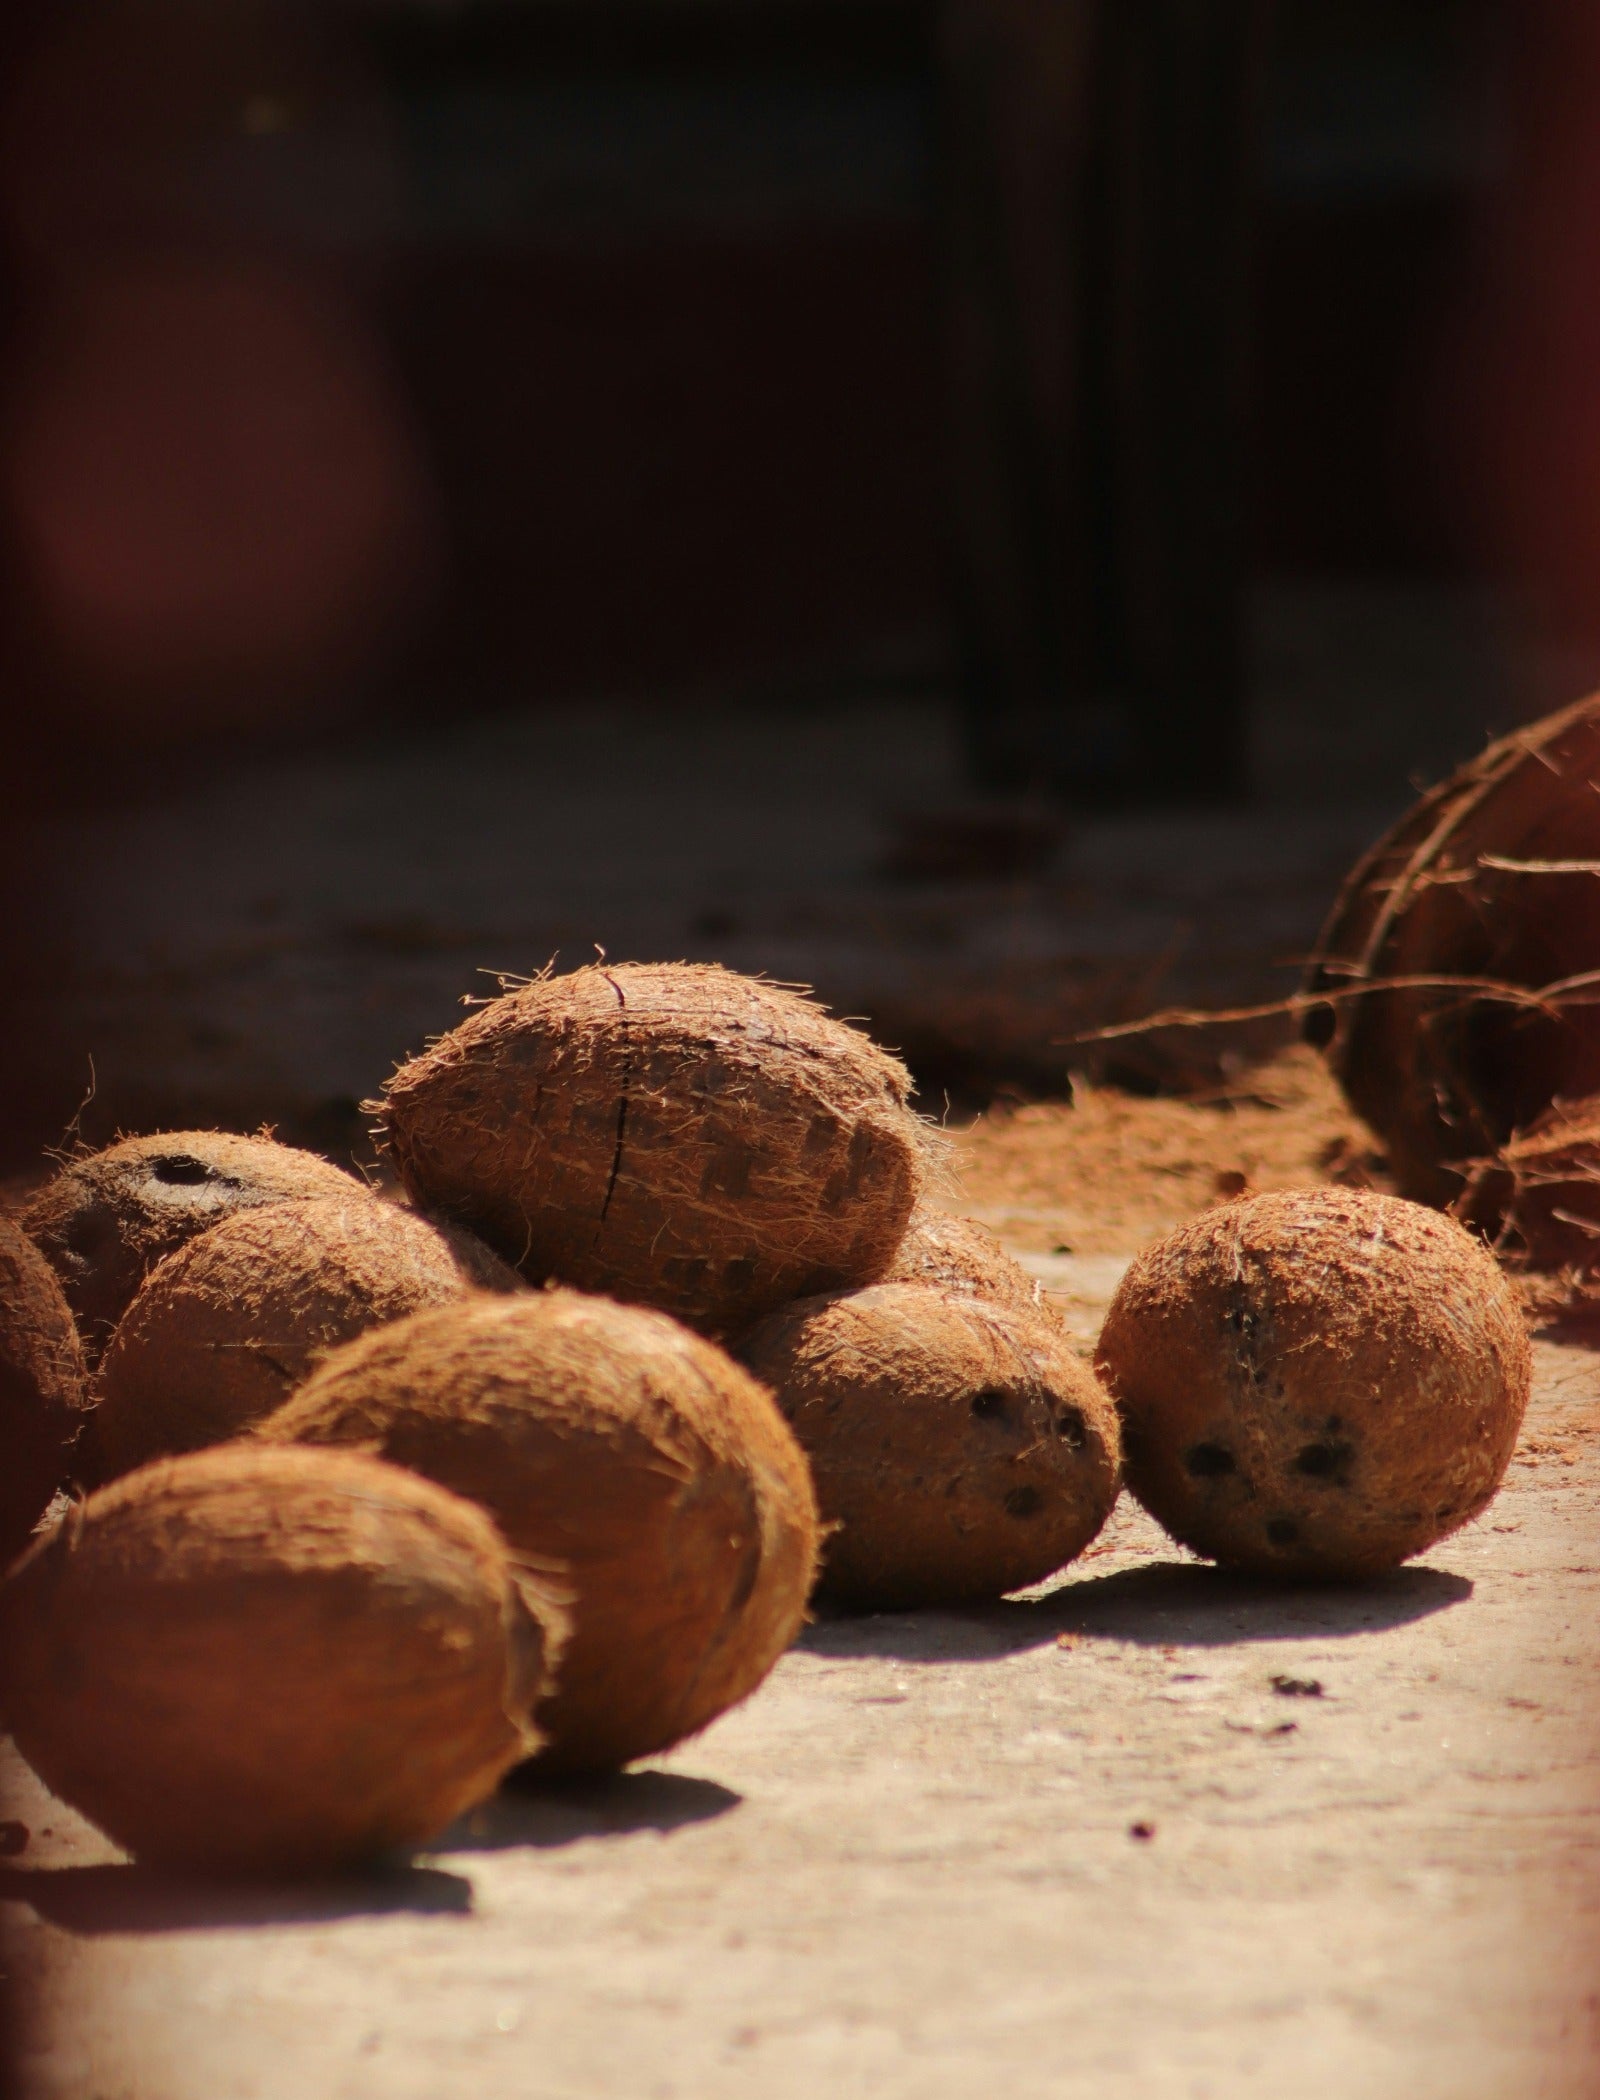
column 106, row 1220
column 671, row 1134
column 1318, row 1382
column 271, row 1660
column 42, row 1400
column 1541, row 1193
column 226, row 1328
column 964, row 1259
column 960, row 1447
column 610, row 1440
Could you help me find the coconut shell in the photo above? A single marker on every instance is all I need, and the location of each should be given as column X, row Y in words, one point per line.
column 672, row 1135
column 226, row 1328
column 960, row 1447
column 271, row 1661
column 1488, row 879
column 1541, row 1193
column 965, row 1260
column 106, row 1220
column 1320, row 1382
column 43, row 1404
column 609, row 1440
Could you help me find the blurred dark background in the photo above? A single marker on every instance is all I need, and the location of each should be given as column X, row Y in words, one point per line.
column 983, row 504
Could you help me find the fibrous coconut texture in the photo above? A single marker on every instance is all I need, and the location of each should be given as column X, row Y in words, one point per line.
column 965, row 1260
column 107, row 1219
column 672, row 1135
column 1542, row 1192
column 1479, row 910
column 42, row 1399
column 611, row 1441
column 271, row 1661
column 960, row 1447
column 226, row 1328
column 1321, row 1382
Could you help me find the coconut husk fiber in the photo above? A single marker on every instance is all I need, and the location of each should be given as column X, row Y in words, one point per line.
column 1541, row 1193
column 670, row 1134
column 43, row 1402
column 226, row 1328
column 960, row 1448
column 964, row 1259
column 1318, row 1382
column 271, row 1661
column 610, row 1441
column 1492, row 879
column 107, row 1219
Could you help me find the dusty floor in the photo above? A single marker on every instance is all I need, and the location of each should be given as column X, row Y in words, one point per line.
column 1157, row 1832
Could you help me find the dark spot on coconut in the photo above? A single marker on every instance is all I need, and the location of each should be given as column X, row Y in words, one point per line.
column 180, row 1170
column 1024, row 1502
column 1072, row 1429
column 1324, row 1462
column 1334, row 1425
column 740, row 1273
column 1283, row 1531
column 1209, row 1461
column 989, row 1405
column 1241, row 1320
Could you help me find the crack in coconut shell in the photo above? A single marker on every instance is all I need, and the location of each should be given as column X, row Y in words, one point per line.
column 44, row 1403
column 225, row 1328
column 612, row 1443
column 960, row 1449
column 1321, row 1382
column 671, row 1134
column 272, row 1661
column 106, row 1220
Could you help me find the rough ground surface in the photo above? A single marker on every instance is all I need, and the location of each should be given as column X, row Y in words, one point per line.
column 1157, row 1832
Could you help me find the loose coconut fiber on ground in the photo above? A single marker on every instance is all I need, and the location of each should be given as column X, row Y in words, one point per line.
column 673, row 1135
column 1323, row 1382
column 270, row 1660
column 226, row 1328
column 615, row 1446
column 43, row 1404
column 107, row 1219
column 961, row 1448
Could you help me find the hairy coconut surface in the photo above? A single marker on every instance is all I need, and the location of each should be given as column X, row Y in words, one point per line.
column 675, row 1135
column 964, row 1259
column 106, row 1220
column 228, row 1326
column 611, row 1441
column 960, row 1447
column 1541, row 1193
column 1490, row 879
column 43, row 1404
column 271, row 1660
column 1316, row 1382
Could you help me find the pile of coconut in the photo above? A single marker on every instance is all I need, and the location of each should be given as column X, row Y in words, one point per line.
column 539, row 1464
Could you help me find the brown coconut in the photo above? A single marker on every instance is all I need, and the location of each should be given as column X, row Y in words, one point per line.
column 965, row 1260
column 1490, row 881
column 271, row 1661
column 43, row 1404
column 1319, row 1382
column 226, row 1328
column 609, row 1440
column 106, row 1220
column 960, row 1447
column 1541, row 1193
column 671, row 1134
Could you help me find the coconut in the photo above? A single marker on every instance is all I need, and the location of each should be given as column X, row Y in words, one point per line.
column 1316, row 1382
column 960, row 1447
column 226, row 1328
column 672, row 1135
column 271, row 1660
column 612, row 1441
column 42, row 1398
column 1541, row 1193
column 107, row 1219
column 964, row 1259
column 1485, row 898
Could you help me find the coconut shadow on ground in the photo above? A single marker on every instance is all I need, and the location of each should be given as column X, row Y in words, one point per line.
column 1162, row 1604
column 547, row 1813
column 138, row 1899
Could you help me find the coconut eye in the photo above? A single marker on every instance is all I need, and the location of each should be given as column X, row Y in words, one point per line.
column 180, row 1170
column 1210, row 1461
column 989, row 1405
column 1319, row 1461
column 1072, row 1429
column 1024, row 1502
